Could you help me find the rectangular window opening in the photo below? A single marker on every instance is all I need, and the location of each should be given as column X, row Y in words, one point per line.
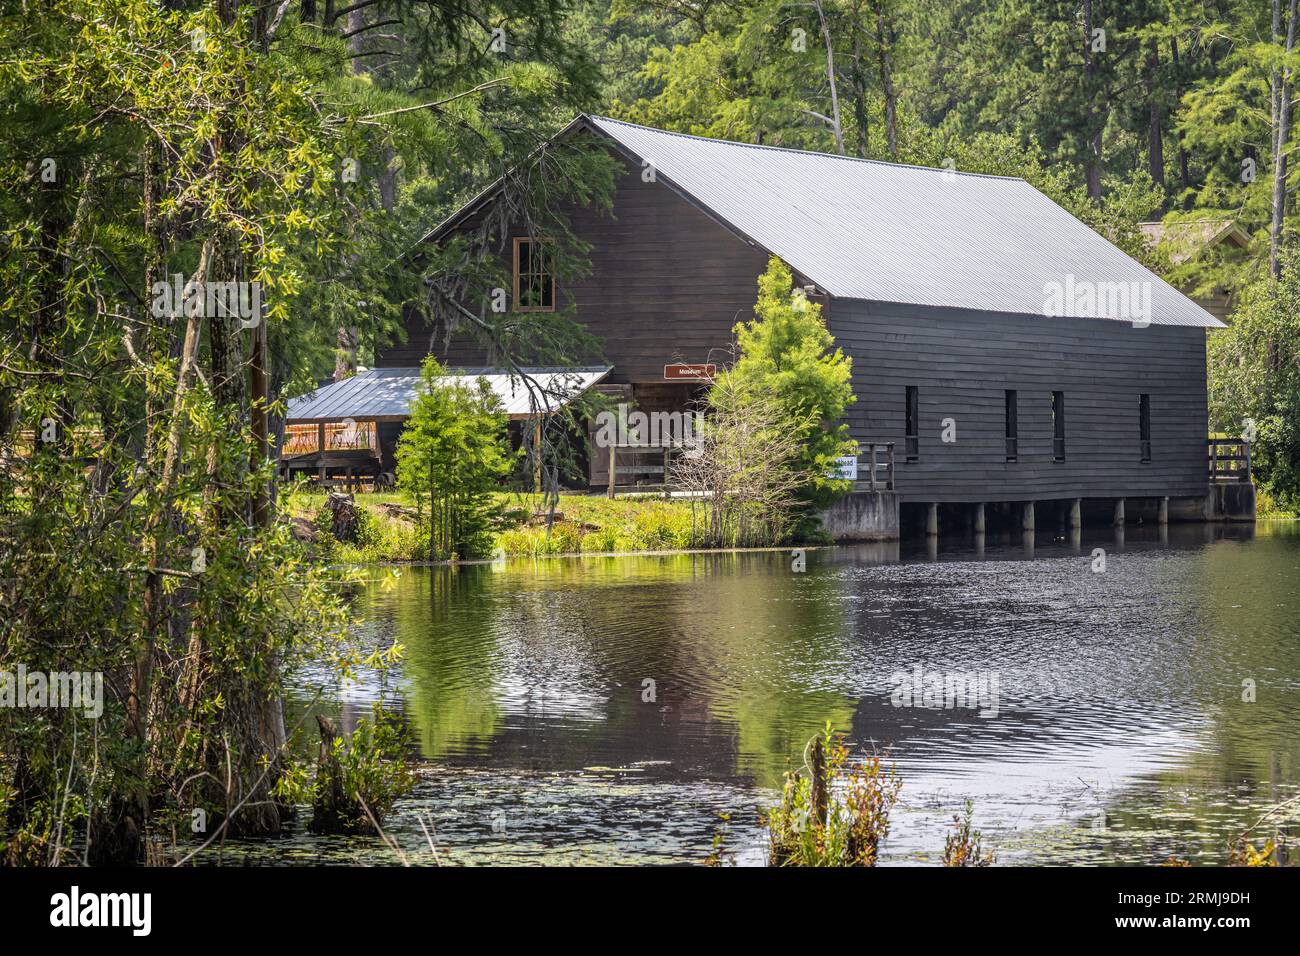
column 534, row 276
column 1058, row 426
column 1013, row 426
column 1144, row 425
column 912, row 448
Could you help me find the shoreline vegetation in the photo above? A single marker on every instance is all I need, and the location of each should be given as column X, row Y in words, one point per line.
column 390, row 530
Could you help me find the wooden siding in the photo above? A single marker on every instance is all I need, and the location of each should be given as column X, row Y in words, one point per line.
column 667, row 284
column 964, row 361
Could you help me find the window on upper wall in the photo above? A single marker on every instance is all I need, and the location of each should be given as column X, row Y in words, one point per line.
column 1058, row 426
column 1144, row 426
column 912, row 430
column 1013, row 426
column 534, row 276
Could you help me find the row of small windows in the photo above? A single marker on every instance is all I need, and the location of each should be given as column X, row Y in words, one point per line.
column 912, row 442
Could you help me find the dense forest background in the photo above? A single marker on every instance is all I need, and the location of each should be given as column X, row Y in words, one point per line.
column 1173, row 110
column 308, row 145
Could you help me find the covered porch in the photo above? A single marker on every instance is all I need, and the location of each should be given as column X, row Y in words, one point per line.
column 345, row 433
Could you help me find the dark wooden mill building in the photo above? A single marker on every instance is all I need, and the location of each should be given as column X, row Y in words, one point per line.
column 1003, row 352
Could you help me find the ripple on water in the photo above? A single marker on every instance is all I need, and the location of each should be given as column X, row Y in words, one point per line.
column 1120, row 732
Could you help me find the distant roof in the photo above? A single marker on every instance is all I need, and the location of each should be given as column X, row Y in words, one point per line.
column 385, row 394
column 1187, row 238
column 863, row 229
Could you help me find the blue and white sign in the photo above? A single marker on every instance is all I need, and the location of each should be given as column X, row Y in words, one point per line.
column 845, row 469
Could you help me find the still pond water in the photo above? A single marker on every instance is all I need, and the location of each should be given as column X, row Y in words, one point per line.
column 1120, row 734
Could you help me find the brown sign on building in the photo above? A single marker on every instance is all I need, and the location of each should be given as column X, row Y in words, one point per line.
column 690, row 373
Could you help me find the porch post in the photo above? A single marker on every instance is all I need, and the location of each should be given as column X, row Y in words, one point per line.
column 613, row 460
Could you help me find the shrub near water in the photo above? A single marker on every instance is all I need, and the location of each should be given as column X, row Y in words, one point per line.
column 963, row 847
column 358, row 778
column 450, row 458
column 592, row 525
column 585, row 524
column 835, row 814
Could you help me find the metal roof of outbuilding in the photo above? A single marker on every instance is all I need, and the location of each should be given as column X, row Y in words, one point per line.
column 385, row 394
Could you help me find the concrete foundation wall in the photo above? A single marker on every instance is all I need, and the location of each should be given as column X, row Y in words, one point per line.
column 863, row 516
column 1233, row 501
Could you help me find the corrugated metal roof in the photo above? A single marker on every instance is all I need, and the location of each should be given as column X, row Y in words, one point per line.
column 387, row 393
column 885, row 232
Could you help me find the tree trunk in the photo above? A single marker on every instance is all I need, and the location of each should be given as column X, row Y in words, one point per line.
column 1184, row 173
column 349, row 336
column 259, row 400
column 1092, row 160
column 1155, row 140
column 830, row 76
column 343, row 510
column 858, row 81
column 885, row 36
column 1282, row 135
column 820, row 798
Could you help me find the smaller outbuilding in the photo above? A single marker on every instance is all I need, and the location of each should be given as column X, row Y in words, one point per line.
column 347, row 431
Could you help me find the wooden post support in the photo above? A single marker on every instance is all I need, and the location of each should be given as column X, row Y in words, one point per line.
column 1163, row 514
column 1076, row 514
column 979, row 518
column 320, row 451
column 889, row 465
column 932, row 519
column 1119, row 513
column 1027, row 517
column 613, row 464
column 871, row 475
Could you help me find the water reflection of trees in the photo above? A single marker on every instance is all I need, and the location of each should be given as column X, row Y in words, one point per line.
column 439, row 615
column 736, row 639
column 541, row 664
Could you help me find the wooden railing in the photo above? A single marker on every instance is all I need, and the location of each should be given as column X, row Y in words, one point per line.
column 339, row 436
column 875, row 464
column 658, row 465
column 871, row 461
column 1229, row 459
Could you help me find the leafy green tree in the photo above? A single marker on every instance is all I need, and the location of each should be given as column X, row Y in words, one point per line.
column 451, row 457
column 139, row 534
column 1255, row 380
column 788, row 356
